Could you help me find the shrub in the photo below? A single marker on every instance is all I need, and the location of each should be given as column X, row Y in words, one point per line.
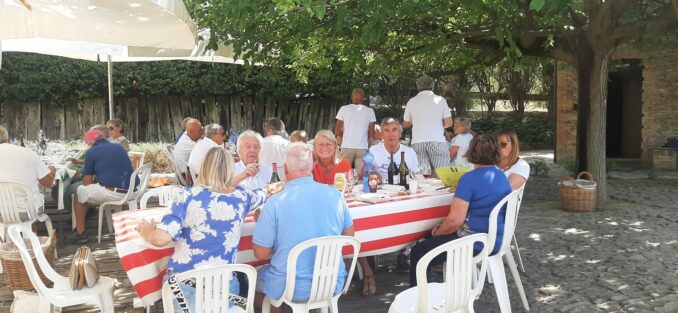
column 534, row 132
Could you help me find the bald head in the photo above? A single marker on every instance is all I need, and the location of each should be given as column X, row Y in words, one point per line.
column 194, row 129
column 358, row 96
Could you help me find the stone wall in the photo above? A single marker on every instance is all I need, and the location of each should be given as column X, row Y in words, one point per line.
column 659, row 107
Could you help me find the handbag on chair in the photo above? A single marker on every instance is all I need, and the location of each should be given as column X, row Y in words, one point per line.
column 84, row 270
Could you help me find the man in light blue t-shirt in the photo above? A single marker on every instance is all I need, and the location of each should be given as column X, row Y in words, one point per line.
column 303, row 210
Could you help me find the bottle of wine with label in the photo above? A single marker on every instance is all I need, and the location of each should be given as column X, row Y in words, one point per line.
column 274, row 175
column 404, row 170
column 392, row 172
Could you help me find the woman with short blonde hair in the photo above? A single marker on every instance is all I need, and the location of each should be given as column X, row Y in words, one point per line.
column 327, row 162
column 216, row 171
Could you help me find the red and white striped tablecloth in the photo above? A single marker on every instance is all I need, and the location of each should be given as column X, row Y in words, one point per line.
column 382, row 226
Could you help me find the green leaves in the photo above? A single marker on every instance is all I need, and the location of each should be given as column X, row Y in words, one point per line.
column 537, row 5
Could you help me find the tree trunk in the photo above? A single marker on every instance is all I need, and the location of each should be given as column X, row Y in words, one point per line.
column 592, row 72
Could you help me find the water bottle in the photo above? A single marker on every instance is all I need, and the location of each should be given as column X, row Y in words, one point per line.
column 368, row 160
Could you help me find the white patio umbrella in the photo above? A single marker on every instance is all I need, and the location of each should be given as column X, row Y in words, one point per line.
column 89, row 29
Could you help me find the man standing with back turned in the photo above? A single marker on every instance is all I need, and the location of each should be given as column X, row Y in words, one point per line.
column 428, row 115
column 355, row 124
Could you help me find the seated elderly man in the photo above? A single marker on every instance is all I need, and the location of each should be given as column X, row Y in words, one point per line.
column 185, row 144
column 23, row 166
column 214, row 136
column 302, row 202
column 249, row 173
column 391, row 130
column 273, row 146
column 109, row 164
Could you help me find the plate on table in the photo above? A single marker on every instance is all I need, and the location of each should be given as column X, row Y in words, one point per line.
column 371, row 197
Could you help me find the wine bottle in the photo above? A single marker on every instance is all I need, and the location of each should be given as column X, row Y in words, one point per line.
column 274, row 175
column 188, row 177
column 392, row 172
column 404, row 170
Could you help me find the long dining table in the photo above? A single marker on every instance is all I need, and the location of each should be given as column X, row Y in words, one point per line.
column 383, row 225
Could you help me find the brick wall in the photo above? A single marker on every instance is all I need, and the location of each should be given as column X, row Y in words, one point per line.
column 659, row 107
column 566, row 114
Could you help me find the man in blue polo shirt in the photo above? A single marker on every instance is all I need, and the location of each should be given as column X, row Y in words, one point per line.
column 321, row 210
column 105, row 176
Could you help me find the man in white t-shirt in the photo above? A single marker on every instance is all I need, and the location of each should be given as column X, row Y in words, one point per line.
column 214, row 137
column 23, row 166
column 183, row 148
column 460, row 143
column 274, row 144
column 354, row 128
column 391, row 130
column 428, row 115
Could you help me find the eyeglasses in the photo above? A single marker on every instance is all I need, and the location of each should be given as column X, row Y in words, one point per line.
column 504, row 144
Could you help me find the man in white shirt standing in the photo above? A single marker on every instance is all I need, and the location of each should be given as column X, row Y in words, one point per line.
column 273, row 146
column 23, row 166
column 214, row 137
column 428, row 115
column 354, row 127
column 183, row 148
column 391, row 131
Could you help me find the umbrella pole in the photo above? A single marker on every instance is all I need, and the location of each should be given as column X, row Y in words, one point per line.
column 110, row 88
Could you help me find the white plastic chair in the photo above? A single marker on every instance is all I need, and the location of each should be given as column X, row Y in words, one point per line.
column 461, row 286
column 165, row 195
column 180, row 168
column 515, row 241
column 60, row 295
column 130, row 197
column 137, row 158
column 495, row 262
column 328, row 259
column 212, row 288
column 11, row 194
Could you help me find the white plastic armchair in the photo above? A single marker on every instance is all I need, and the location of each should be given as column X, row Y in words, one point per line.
column 495, row 261
column 515, row 241
column 461, row 286
column 212, row 289
column 165, row 195
column 11, row 196
column 130, row 197
column 328, row 259
column 137, row 158
column 61, row 294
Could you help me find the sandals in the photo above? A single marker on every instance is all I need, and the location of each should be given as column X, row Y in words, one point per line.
column 369, row 286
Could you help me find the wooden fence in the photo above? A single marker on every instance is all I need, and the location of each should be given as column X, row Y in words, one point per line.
column 158, row 118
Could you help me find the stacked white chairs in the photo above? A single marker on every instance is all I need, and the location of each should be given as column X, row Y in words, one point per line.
column 461, row 286
column 495, row 261
column 328, row 259
column 165, row 195
column 12, row 196
column 60, row 294
column 130, row 199
column 212, row 290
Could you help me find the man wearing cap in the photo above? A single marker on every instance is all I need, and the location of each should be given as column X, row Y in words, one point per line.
column 105, row 177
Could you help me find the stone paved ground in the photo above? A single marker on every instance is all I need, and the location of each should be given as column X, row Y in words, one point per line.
column 623, row 258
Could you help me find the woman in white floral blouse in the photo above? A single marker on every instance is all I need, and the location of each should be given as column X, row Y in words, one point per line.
column 205, row 220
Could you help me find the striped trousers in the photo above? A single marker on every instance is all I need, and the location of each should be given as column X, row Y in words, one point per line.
column 434, row 154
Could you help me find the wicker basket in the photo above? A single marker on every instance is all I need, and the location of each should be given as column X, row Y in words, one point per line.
column 578, row 195
column 14, row 270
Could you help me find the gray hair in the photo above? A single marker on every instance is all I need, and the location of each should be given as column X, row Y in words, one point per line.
column 464, row 122
column 4, row 135
column 391, row 120
column 276, row 125
column 425, row 83
column 329, row 135
column 249, row 134
column 103, row 129
column 299, row 158
column 213, row 129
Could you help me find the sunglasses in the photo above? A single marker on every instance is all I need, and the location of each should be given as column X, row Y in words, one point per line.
column 504, row 144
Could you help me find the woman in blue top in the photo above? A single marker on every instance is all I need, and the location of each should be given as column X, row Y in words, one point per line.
column 205, row 221
column 476, row 195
